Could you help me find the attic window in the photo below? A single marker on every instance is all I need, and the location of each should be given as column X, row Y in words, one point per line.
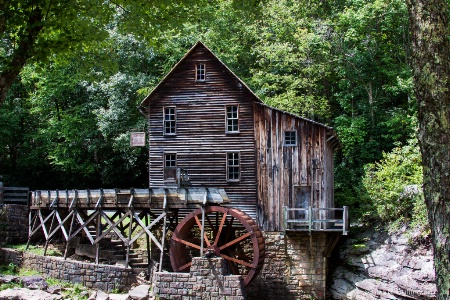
column 232, row 119
column 290, row 138
column 233, row 166
column 200, row 72
column 170, row 121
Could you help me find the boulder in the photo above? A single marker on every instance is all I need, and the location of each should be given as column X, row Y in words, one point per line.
column 26, row 294
column 374, row 264
column 34, row 282
column 140, row 292
column 9, row 279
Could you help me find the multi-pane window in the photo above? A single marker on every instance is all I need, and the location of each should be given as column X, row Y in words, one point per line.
column 170, row 166
column 233, row 166
column 170, row 120
column 200, row 72
column 290, row 138
column 232, row 118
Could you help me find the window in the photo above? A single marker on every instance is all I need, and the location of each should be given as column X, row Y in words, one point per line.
column 200, row 72
column 290, row 138
column 232, row 118
column 233, row 168
column 169, row 120
column 170, row 166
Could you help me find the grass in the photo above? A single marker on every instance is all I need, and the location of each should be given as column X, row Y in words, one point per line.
column 69, row 290
column 35, row 249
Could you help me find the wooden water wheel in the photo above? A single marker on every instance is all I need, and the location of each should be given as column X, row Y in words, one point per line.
column 228, row 233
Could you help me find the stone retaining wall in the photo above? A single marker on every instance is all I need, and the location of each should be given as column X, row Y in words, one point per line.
column 13, row 224
column 103, row 277
column 294, row 268
column 8, row 256
column 207, row 279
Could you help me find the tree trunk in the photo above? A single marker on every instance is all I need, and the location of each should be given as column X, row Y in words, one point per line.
column 430, row 63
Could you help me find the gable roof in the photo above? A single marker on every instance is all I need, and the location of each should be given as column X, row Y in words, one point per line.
column 144, row 104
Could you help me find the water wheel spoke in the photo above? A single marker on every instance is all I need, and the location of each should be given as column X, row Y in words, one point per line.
column 184, row 267
column 242, row 237
column 199, row 224
column 185, row 242
column 238, row 261
column 219, row 231
column 244, row 257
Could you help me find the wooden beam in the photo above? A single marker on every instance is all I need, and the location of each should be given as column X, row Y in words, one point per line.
column 61, row 225
column 113, row 226
column 146, row 229
column 83, row 225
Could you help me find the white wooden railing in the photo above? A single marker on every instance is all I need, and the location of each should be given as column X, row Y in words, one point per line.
column 316, row 219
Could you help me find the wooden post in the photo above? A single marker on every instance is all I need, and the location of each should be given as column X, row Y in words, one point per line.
column 163, row 238
column 30, row 227
column 147, row 238
column 50, row 230
column 98, row 233
column 310, row 219
column 345, row 220
column 127, row 258
column 70, row 234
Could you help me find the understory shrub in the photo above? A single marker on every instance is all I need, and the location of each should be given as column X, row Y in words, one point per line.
column 391, row 189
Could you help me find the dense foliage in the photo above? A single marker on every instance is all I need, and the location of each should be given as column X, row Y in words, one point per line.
column 391, row 189
column 66, row 119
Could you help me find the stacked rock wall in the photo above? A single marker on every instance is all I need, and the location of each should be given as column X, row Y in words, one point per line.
column 294, row 267
column 10, row 256
column 208, row 279
column 103, row 277
column 13, row 224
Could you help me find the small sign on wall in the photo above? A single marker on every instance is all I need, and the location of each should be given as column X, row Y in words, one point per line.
column 137, row 139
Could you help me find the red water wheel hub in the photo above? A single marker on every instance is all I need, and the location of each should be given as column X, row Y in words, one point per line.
column 228, row 233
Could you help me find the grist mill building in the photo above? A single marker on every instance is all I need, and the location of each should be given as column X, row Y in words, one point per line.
column 207, row 131
column 232, row 182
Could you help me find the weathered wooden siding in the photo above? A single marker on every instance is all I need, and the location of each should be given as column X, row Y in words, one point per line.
column 201, row 143
column 284, row 171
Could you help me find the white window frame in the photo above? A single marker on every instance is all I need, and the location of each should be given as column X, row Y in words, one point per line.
column 229, row 166
column 232, row 119
column 200, row 72
column 289, row 142
column 168, row 123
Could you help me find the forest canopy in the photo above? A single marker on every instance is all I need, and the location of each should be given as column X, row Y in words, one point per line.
column 66, row 117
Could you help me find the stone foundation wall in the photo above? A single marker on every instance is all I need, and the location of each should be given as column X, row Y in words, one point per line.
column 207, row 279
column 13, row 224
column 103, row 277
column 8, row 256
column 294, row 267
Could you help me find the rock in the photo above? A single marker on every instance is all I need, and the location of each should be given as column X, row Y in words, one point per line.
column 26, row 294
column 121, row 263
column 118, row 297
column 9, row 279
column 388, row 268
column 101, row 295
column 140, row 292
column 34, row 282
column 93, row 296
column 54, row 289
